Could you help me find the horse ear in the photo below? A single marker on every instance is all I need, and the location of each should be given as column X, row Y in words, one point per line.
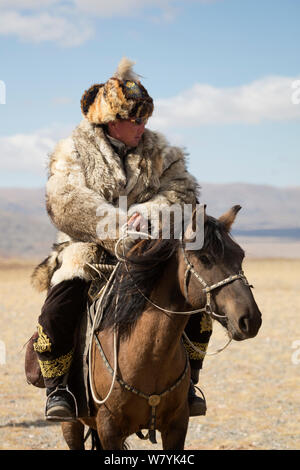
column 228, row 218
column 192, row 225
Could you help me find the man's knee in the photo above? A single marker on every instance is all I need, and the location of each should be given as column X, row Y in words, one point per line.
column 70, row 294
column 62, row 309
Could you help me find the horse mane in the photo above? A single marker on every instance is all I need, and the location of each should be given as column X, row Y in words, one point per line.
column 143, row 266
column 218, row 242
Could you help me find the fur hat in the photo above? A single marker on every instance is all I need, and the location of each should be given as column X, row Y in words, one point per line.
column 121, row 97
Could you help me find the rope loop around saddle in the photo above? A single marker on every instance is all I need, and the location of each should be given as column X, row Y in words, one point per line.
column 103, row 291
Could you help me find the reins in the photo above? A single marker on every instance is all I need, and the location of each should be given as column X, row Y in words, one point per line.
column 93, row 334
column 154, row 399
column 206, row 288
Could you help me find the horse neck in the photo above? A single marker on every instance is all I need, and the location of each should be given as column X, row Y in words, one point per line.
column 165, row 329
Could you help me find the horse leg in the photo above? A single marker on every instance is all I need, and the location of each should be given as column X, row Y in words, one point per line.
column 73, row 433
column 109, row 433
column 173, row 435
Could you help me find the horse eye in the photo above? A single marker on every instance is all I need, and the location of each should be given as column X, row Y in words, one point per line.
column 205, row 259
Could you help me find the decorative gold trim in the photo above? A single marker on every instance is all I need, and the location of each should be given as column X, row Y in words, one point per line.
column 56, row 367
column 205, row 323
column 194, row 354
column 43, row 343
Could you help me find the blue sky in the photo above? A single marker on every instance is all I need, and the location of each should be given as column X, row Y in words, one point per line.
column 221, row 74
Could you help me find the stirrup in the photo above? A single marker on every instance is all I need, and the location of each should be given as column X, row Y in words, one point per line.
column 197, row 405
column 58, row 413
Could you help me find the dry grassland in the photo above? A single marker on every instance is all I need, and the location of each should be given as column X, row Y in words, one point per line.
column 252, row 388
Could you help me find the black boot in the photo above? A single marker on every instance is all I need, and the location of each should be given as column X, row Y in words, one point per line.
column 61, row 404
column 197, row 404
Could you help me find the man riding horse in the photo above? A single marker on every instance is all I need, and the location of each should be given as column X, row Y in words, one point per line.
column 110, row 154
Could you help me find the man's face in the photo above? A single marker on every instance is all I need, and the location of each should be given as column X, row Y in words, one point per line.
column 127, row 131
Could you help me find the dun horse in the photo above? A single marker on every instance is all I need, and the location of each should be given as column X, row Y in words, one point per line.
column 152, row 368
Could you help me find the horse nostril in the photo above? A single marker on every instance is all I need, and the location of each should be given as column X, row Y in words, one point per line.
column 244, row 324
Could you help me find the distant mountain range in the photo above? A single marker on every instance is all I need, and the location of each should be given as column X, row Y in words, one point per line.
column 25, row 228
column 267, row 211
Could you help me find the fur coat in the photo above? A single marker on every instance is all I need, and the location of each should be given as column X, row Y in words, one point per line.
column 86, row 178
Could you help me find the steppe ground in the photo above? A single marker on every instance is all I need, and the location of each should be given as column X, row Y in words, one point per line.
column 252, row 388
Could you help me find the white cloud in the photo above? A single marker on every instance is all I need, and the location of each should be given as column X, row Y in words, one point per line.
column 44, row 27
column 70, row 23
column 265, row 99
column 26, row 4
column 120, row 7
column 29, row 152
column 24, row 152
column 261, row 100
column 164, row 10
column 104, row 8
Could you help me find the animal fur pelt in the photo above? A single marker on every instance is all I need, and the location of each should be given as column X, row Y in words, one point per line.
column 86, row 178
column 121, row 97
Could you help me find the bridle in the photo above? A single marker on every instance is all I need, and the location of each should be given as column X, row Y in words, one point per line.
column 189, row 269
column 206, row 288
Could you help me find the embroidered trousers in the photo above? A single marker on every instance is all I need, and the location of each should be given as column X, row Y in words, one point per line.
column 60, row 315
column 61, row 312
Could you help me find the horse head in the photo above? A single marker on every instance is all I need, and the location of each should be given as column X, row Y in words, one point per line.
column 212, row 276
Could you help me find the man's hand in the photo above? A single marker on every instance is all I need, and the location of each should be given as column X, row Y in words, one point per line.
column 138, row 222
